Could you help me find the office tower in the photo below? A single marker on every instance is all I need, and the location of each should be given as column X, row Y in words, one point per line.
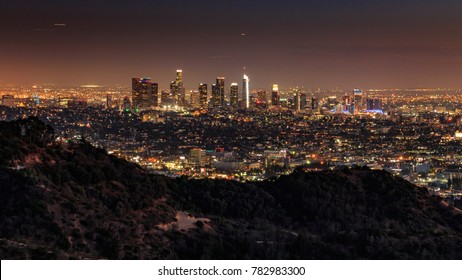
column 203, row 96
column 177, row 89
column 245, row 92
column 181, row 97
column 198, row 157
column 233, row 95
column 221, row 90
column 275, row 95
column 108, row 101
column 155, row 94
column 314, row 104
column 373, row 104
column 144, row 93
column 173, row 88
column 168, row 100
column 261, row 97
column 179, row 78
column 296, row 106
column 302, row 101
column 194, row 98
column 127, row 104
column 215, row 96
column 357, row 101
column 347, row 103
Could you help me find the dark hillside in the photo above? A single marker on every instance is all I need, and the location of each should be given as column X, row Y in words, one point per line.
column 71, row 200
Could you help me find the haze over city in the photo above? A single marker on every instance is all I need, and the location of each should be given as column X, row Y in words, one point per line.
column 311, row 44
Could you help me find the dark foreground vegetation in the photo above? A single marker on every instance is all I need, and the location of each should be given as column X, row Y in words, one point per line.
column 71, row 200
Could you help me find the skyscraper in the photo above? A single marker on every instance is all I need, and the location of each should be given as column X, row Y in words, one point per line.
column 373, row 104
column 144, row 93
column 233, row 95
column 261, row 96
column 216, row 102
column 203, row 95
column 179, row 78
column 245, row 92
column 177, row 89
column 357, row 101
column 194, row 99
column 275, row 95
column 221, row 90
column 302, row 101
column 126, row 104
column 297, row 102
column 168, row 100
column 181, row 97
column 314, row 104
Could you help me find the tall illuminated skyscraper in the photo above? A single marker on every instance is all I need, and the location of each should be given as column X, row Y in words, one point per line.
column 179, row 78
column 357, row 101
column 215, row 96
column 275, row 95
column 302, row 101
column 144, row 93
column 221, row 90
column 203, row 95
column 297, row 102
column 194, row 99
column 218, row 93
column 177, row 89
column 245, row 92
column 233, row 95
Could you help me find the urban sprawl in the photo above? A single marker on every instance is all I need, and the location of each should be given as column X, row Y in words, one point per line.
column 238, row 133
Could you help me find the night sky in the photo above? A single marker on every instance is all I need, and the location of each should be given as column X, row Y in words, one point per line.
column 324, row 43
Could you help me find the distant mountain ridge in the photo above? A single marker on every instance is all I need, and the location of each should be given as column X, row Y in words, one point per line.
column 72, row 200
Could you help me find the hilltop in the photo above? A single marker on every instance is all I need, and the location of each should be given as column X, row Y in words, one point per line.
column 74, row 201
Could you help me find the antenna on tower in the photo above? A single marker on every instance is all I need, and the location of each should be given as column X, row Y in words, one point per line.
column 243, row 69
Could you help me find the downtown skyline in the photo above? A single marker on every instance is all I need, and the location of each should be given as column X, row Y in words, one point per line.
column 309, row 44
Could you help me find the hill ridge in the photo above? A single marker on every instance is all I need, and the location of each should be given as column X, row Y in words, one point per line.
column 72, row 200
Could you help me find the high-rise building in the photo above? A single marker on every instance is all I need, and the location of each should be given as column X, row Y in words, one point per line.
column 181, row 95
column 177, row 89
column 233, row 95
column 221, row 90
column 373, row 104
column 216, row 102
column 296, row 106
column 314, row 104
column 179, row 78
column 127, row 104
column 168, row 100
column 275, row 95
column 357, row 101
column 261, row 96
column 198, row 157
column 302, row 101
column 144, row 93
column 203, row 96
column 245, row 92
column 108, row 101
column 194, row 99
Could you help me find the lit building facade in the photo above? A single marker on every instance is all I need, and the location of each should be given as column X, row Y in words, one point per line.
column 245, row 92
column 144, row 93
column 234, row 95
column 203, row 96
column 275, row 95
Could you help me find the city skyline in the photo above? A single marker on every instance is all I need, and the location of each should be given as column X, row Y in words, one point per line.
column 311, row 44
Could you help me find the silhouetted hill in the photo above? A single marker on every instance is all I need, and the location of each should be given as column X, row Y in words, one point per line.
column 71, row 200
